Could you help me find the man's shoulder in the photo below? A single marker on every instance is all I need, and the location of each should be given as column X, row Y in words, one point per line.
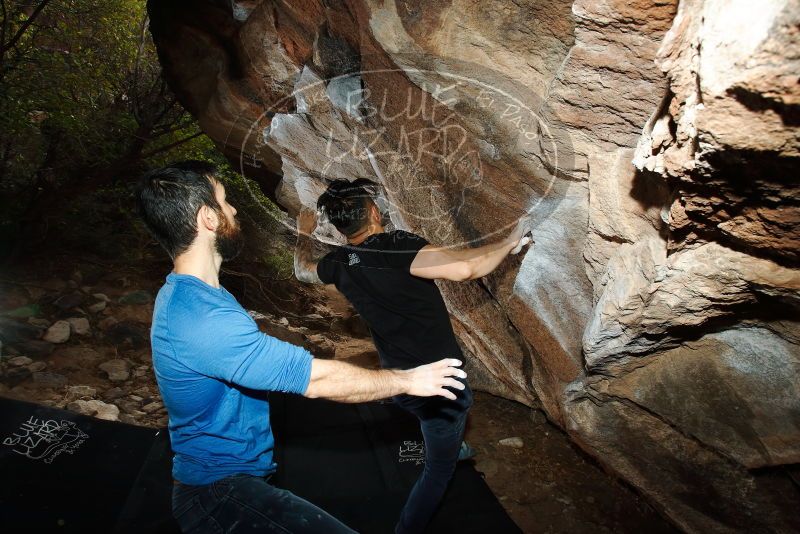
column 404, row 234
column 337, row 254
column 393, row 240
column 405, row 241
column 190, row 308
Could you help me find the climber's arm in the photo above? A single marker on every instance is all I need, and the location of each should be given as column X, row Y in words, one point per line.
column 305, row 268
column 467, row 264
column 459, row 265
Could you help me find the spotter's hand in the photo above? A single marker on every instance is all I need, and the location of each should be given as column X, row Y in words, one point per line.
column 432, row 379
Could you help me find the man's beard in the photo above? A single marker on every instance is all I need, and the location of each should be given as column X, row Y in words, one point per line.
column 229, row 240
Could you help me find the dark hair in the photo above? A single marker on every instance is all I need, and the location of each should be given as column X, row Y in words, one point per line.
column 169, row 199
column 346, row 204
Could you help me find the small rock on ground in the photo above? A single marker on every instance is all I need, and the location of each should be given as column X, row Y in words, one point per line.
column 80, row 325
column 152, row 407
column 35, row 367
column 95, row 408
column 118, row 370
column 129, row 419
column 515, row 442
column 58, row 332
column 82, row 391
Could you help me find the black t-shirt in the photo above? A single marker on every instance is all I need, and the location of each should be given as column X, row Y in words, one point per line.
column 406, row 314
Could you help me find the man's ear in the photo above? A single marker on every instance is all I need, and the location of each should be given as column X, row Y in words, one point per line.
column 375, row 213
column 207, row 218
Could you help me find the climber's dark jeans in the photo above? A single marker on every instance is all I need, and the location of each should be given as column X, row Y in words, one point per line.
column 442, row 422
column 246, row 503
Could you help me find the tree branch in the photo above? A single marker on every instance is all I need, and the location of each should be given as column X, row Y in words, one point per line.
column 178, row 126
column 5, row 22
column 21, row 31
column 137, row 66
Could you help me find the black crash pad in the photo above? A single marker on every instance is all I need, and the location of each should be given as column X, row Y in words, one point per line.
column 64, row 472
column 359, row 461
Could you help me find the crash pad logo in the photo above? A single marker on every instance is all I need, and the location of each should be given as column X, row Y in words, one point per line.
column 412, row 451
column 45, row 439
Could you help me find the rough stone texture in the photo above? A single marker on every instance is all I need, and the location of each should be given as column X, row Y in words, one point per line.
column 35, row 367
column 19, row 361
column 727, row 133
column 117, row 370
column 514, row 442
column 152, row 407
column 715, row 494
column 79, row 325
column 58, row 333
column 748, row 378
column 651, row 300
column 95, row 408
column 608, row 84
column 655, row 146
column 624, row 208
column 81, row 391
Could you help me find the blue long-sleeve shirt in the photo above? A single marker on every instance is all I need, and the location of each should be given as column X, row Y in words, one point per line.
column 213, row 367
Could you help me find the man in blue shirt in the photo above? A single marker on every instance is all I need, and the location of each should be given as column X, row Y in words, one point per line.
column 214, row 366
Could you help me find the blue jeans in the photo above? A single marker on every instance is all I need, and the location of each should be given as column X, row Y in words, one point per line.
column 247, row 503
column 442, row 422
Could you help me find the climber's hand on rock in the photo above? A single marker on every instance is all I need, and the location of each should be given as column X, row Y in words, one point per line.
column 521, row 235
column 306, row 221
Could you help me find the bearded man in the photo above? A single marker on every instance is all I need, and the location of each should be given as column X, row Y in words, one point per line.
column 213, row 367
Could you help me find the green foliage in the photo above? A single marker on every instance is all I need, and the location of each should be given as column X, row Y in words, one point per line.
column 64, row 87
column 82, row 100
column 280, row 263
column 82, row 91
column 248, row 198
column 200, row 148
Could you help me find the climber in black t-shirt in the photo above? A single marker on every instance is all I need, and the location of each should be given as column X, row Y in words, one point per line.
column 388, row 278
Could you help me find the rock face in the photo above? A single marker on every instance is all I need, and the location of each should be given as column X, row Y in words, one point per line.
column 655, row 146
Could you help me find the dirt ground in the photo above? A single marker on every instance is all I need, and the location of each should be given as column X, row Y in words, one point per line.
column 546, row 484
column 549, row 485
